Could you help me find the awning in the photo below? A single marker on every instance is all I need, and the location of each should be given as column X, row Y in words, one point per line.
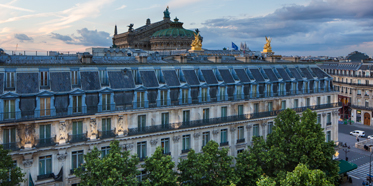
column 345, row 166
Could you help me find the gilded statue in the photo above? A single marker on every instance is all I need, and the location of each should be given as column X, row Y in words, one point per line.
column 196, row 44
column 267, row 47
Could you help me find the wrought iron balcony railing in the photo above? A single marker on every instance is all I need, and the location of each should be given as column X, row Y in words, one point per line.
column 46, row 142
column 106, row 134
column 224, row 143
column 45, row 176
column 241, row 140
column 12, row 146
column 78, row 138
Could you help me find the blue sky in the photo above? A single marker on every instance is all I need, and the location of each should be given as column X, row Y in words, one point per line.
column 297, row 27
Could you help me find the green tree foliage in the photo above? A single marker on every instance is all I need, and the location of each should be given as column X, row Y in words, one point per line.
column 249, row 163
column 304, row 176
column 9, row 174
column 159, row 169
column 116, row 168
column 265, row 181
column 212, row 167
column 298, row 139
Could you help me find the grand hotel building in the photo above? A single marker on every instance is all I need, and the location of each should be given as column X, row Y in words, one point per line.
column 55, row 109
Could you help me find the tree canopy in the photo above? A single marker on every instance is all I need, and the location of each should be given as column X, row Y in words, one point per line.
column 9, row 173
column 304, row 176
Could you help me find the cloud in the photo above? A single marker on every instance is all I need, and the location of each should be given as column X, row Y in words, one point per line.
column 23, row 37
column 86, row 37
column 15, row 8
column 319, row 25
column 181, row 3
column 123, row 6
column 150, row 7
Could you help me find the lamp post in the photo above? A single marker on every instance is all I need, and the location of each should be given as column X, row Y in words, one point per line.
column 346, row 151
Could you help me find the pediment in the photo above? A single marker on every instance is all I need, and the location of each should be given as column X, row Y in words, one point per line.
column 45, row 94
column 141, row 88
column 185, row 86
column 164, row 87
column 10, row 95
column 106, row 90
column 77, row 91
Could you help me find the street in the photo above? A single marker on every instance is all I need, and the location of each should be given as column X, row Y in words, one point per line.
column 357, row 156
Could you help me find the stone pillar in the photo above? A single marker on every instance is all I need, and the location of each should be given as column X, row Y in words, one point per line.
column 249, row 129
column 233, row 139
column 196, row 142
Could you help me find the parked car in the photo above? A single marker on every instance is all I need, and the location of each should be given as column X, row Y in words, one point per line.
column 359, row 133
column 370, row 137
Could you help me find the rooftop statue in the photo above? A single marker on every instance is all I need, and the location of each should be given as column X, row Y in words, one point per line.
column 130, row 28
column 267, row 47
column 166, row 13
column 197, row 43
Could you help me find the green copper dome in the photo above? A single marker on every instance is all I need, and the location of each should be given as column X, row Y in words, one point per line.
column 176, row 29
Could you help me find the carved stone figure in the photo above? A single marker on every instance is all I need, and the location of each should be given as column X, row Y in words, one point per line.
column 129, row 146
column 120, row 124
column 197, row 135
column 61, row 157
column 93, row 126
column 176, row 139
column 215, row 132
column 63, row 130
column 248, row 127
column 233, row 129
column 27, row 163
column 154, row 142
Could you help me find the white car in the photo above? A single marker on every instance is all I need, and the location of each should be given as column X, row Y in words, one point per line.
column 359, row 133
column 370, row 137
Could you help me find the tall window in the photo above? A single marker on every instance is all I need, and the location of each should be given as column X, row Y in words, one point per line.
column 106, row 102
column 77, row 127
column 224, row 113
column 223, row 136
column 45, row 132
column 105, row 151
column 317, row 84
column 256, row 107
column 77, row 104
column 268, row 90
column 328, row 119
column 186, row 142
column 10, row 76
column 366, row 103
column 206, row 115
column 184, row 96
column 295, row 103
column 308, row 102
column 45, row 106
column 141, row 122
column 283, row 105
column 318, row 101
column 205, row 138
column 239, row 92
column 270, row 126
column 9, row 109
column 76, row 159
column 74, row 77
column 165, row 142
column 367, row 82
column 9, row 136
column 328, row 99
column 141, row 150
column 240, row 133
column 328, row 136
column 256, row 130
column 44, row 79
column 306, row 86
column 204, row 94
column 45, row 165
column 270, row 106
column 103, row 77
column 240, row 110
column 186, row 116
column 140, row 99
column 163, row 97
column 359, row 81
column 222, row 93
column 294, row 87
column 358, row 92
column 253, row 91
column 106, row 124
column 165, row 119
column 319, row 118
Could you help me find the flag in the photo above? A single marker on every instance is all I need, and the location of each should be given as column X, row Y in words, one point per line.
column 234, row 46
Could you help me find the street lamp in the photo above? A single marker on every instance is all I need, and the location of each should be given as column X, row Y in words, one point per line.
column 346, row 151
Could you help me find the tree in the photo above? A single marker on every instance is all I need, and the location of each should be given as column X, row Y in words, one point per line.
column 304, row 176
column 298, row 139
column 265, row 181
column 9, row 173
column 212, row 167
column 159, row 169
column 249, row 163
column 116, row 168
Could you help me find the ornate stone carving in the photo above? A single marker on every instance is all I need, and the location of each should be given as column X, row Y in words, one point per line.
column 264, row 124
column 93, row 126
column 62, row 130
column 27, row 163
column 129, row 146
column 26, row 135
column 335, row 113
column 248, row 127
column 197, row 135
column 176, row 139
column 61, row 157
column 154, row 142
column 215, row 132
column 323, row 114
column 120, row 123
column 233, row 129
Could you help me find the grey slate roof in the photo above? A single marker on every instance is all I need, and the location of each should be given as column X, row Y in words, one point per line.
column 242, row 75
column 191, row 77
column 226, row 75
column 209, row 77
column 121, row 79
column 295, row 73
column 283, row 74
column 171, row 78
column 149, row 79
column 90, row 81
column 306, row 73
column 27, row 83
column 271, row 75
column 257, row 75
column 60, row 81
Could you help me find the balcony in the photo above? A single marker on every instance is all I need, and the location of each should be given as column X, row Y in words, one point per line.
column 218, row 120
column 329, row 123
column 46, row 142
column 241, row 140
column 45, row 176
column 224, row 143
column 73, row 170
column 11, row 146
column 106, row 134
column 167, row 153
column 78, row 138
column 356, row 84
column 185, row 151
column 361, row 107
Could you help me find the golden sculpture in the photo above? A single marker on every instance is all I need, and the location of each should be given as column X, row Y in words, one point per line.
column 196, row 44
column 267, row 47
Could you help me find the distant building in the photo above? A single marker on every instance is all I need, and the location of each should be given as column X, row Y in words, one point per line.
column 356, row 57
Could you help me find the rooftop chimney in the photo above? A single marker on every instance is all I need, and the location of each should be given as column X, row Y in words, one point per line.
column 142, row 59
column 215, row 59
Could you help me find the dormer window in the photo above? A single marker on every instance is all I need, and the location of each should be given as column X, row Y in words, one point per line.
column 45, row 106
column 44, row 79
column 9, row 109
column 10, row 76
column 77, row 104
column 103, row 77
column 74, row 77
